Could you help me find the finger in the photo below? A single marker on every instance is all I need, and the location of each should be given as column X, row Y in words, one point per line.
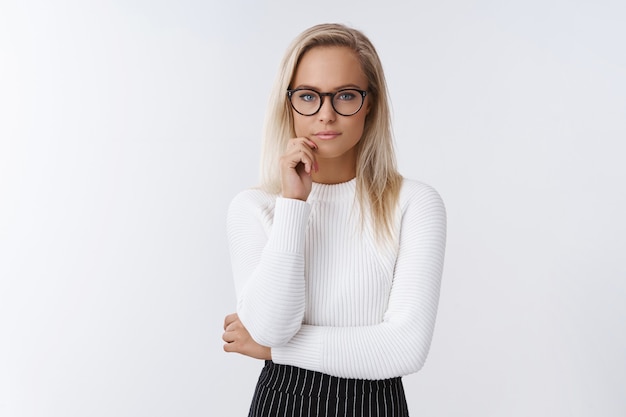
column 312, row 144
column 305, row 156
column 229, row 319
column 301, row 140
column 306, row 161
column 229, row 337
column 230, row 347
column 233, row 326
column 299, row 156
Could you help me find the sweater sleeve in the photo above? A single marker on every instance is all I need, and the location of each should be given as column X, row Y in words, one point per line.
column 399, row 344
column 268, row 268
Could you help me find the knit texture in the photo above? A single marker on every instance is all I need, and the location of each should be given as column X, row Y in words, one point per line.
column 317, row 287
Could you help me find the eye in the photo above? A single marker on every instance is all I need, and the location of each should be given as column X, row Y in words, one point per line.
column 346, row 95
column 307, row 96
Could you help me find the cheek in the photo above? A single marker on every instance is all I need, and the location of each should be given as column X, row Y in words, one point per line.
column 299, row 125
column 359, row 125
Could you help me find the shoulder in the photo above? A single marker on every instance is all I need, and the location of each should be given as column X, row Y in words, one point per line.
column 417, row 193
column 252, row 200
column 254, row 196
column 422, row 213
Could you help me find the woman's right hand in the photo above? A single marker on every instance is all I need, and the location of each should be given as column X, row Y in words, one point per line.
column 296, row 166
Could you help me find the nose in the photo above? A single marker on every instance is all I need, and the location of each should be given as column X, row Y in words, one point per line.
column 327, row 113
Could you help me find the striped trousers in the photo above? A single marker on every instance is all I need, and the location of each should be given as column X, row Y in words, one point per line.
column 288, row 391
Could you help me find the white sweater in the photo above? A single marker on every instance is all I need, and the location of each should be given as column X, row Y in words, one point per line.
column 318, row 289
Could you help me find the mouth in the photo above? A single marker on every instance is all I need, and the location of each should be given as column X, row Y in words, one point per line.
column 327, row 135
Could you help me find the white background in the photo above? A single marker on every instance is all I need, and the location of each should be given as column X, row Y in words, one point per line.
column 127, row 126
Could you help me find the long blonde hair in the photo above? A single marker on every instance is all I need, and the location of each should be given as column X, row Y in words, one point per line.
column 377, row 179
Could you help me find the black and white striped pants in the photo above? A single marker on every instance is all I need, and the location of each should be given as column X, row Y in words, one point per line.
column 288, row 391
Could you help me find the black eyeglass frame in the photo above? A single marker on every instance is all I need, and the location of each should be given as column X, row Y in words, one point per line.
column 363, row 93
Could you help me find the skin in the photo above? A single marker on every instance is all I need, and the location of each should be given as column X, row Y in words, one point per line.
column 238, row 340
column 312, row 156
column 323, row 151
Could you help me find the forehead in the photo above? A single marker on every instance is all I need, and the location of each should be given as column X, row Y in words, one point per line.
column 329, row 67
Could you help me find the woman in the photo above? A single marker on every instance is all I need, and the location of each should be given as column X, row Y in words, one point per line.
column 337, row 259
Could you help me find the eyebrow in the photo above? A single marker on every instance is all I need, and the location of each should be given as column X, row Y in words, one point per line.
column 341, row 87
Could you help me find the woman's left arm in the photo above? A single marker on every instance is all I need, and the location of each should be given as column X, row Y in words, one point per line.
column 399, row 344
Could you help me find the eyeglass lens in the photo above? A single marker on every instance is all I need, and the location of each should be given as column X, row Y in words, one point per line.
column 345, row 102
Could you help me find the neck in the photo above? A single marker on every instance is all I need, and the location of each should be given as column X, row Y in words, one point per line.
column 332, row 171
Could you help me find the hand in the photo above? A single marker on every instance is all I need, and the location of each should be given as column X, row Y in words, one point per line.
column 296, row 166
column 238, row 340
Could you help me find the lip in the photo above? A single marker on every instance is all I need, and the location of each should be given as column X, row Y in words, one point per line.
column 327, row 135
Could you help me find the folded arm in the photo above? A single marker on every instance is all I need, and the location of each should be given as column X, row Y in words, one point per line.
column 399, row 344
column 268, row 266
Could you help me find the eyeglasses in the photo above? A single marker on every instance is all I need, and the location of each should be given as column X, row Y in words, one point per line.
column 307, row 102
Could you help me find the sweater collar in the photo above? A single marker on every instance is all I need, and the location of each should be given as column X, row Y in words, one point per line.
column 333, row 192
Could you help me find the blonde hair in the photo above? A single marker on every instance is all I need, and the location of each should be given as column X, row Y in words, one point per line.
column 377, row 179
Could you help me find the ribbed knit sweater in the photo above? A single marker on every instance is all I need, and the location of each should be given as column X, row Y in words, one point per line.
column 313, row 284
